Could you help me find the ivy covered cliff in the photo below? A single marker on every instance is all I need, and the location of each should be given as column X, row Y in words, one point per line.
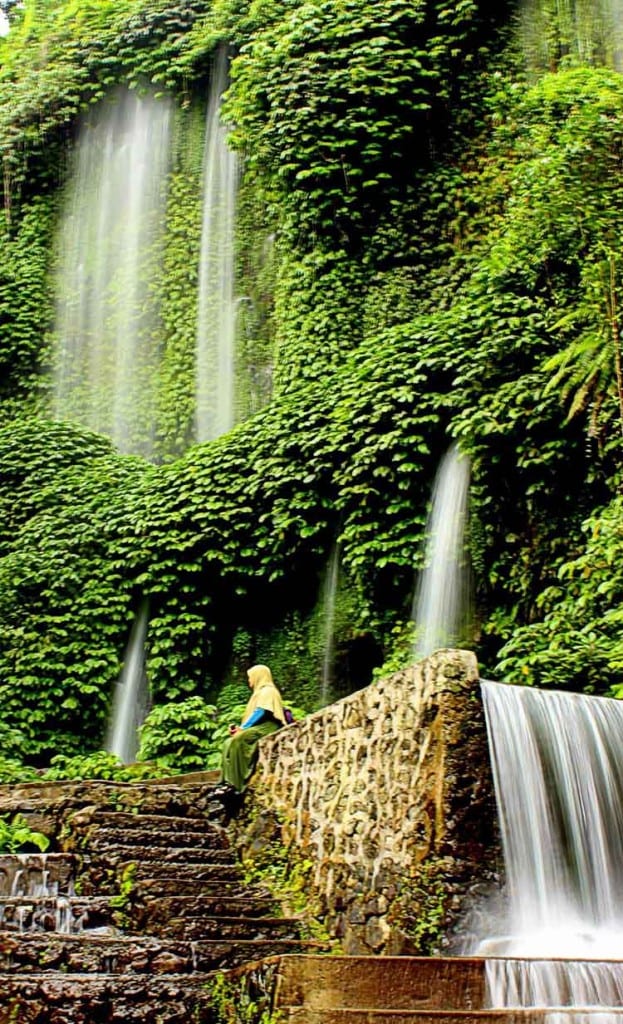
column 427, row 248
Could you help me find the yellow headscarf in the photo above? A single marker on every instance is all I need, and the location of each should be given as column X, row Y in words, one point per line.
column 265, row 694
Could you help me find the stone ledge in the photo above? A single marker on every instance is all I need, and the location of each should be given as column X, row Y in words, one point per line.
column 386, row 796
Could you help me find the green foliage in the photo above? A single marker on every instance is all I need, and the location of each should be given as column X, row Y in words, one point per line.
column 421, row 908
column 177, row 293
column 179, row 735
column 63, row 495
column 121, row 902
column 428, row 249
column 400, row 647
column 285, row 873
column 235, row 1001
column 25, row 303
column 332, row 102
column 101, row 765
column 578, row 644
column 16, row 835
column 188, row 736
column 543, row 296
column 61, row 57
column 13, row 770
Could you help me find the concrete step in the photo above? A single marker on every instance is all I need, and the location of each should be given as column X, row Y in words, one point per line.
column 99, row 998
column 88, row 954
column 401, row 990
column 318, row 983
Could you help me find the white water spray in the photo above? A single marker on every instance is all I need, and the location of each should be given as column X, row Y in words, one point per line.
column 107, row 351
column 442, row 605
column 329, row 599
column 216, row 318
column 131, row 695
column 559, row 787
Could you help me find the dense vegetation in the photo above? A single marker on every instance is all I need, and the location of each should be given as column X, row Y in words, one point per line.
column 444, row 262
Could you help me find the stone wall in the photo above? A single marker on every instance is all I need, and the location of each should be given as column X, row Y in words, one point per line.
column 386, row 797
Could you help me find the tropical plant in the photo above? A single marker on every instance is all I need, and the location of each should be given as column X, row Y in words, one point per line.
column 17, row 835
column 101, row 765
column 179, row 735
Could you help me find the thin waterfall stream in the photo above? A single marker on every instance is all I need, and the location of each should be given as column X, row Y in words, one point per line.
column 441, row 607
column 329, row 599
column 559, row 788
column 217, row 306
column 131, row 695
column 107, row 354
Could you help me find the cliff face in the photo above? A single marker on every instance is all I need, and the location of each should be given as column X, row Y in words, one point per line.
column 426, row 249
column 383, row 802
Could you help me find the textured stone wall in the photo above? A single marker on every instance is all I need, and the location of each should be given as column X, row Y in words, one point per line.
column 387, row 797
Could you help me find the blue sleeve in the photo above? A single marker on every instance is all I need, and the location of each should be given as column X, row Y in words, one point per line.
column 258, row 716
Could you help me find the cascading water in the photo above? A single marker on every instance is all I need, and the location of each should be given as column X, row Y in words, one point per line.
column 37, row 895
column 559, row 786
column 442, row 605
column 107, row 352
column 329, row 598
column 216, row 317
column 131, row 695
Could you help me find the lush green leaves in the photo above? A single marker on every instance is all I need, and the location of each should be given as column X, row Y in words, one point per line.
column 426, row 250
column 17, row 835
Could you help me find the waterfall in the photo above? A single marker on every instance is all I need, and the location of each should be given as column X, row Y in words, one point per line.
column 441, row 609
column 559, row 786
column 216, row 318
column 131, row 695
column 106, row 330
column 329, row 598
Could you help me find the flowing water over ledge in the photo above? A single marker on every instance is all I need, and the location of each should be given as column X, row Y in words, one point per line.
column 37, row 894
column 559, row 788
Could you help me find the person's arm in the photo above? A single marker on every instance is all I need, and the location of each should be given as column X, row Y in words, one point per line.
column 258, row 716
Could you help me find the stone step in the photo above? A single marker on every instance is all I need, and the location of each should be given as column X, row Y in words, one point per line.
column 97, row 838
column 185, row 870
column 127, row 821
column 172, row 795
column 205, row 926
column 91, row 998
column 55, row 913
column 114, row 851
column 174, row 887
column 155, row 912
column 321, row 983
column 152, row 878
column 88, row 954
column 34, row 874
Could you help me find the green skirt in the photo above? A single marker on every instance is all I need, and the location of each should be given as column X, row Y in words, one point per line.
column 239, row 754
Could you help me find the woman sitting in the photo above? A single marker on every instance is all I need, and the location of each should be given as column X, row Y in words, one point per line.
column 263, row 714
